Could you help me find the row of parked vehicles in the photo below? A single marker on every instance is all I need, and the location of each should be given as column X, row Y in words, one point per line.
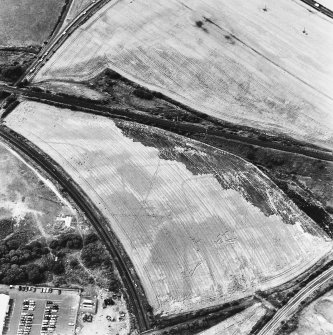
column 46, row 290
column 33, row 289
column 50, row 318
column 27, row 288
column 26, row 318
column 29, row 305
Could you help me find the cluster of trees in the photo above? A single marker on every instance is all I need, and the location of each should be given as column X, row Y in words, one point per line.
column 11, row 73
column 15, row 253
column 143, row 94
column 15, row 274
column 18, row 258
column 70, row 241
column 22, row 261
column 6, row 225
column 3, row 95
column 93, row 253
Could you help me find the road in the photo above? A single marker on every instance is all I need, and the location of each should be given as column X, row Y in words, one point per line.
column 319, row 7
column 92, row 213
column 290, row 308
column 62, row 18
column 57, row 40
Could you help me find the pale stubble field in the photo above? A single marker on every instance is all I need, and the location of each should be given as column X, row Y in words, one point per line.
column 243, row 65
column 201, row 226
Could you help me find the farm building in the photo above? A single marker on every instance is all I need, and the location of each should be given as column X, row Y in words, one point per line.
column 4, row 304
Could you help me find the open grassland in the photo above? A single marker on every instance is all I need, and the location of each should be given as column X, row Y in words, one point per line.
column 317, row 318
column 229, row 59
column 201, row 226
column 240, row 324
column 25, row 199
column 27, row 22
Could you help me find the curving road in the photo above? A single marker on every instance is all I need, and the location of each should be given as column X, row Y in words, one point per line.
column 290, row 308
column 100, row 224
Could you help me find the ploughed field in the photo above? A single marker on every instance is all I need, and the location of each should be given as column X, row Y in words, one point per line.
column 231, row 59
column 28, row 22
column 201, row 226
column 240, row 324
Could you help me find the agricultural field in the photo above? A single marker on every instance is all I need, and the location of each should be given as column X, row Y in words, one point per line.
column 26, row 23
column 240, row 324
column 317, row 318
column 37, row 224
column 270, row 69
column 201, row 226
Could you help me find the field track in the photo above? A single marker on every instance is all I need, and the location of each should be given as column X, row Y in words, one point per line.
column 96, row 219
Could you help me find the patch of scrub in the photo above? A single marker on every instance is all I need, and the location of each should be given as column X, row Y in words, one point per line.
column 26, row 197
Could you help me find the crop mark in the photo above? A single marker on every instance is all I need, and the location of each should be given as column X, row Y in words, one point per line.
column 267, row 58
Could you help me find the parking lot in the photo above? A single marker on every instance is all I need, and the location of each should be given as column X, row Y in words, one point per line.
column 40, row 313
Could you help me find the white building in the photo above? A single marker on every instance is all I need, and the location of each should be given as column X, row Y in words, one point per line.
column 65, row 220
column 4, row 305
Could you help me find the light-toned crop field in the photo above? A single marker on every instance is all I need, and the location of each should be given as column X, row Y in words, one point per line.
column 27, row 22
column 245, row 65
column 317, row 318
column 240, row 324
column 201, row 226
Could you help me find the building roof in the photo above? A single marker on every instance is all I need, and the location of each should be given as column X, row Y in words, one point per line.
column 4, row 301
